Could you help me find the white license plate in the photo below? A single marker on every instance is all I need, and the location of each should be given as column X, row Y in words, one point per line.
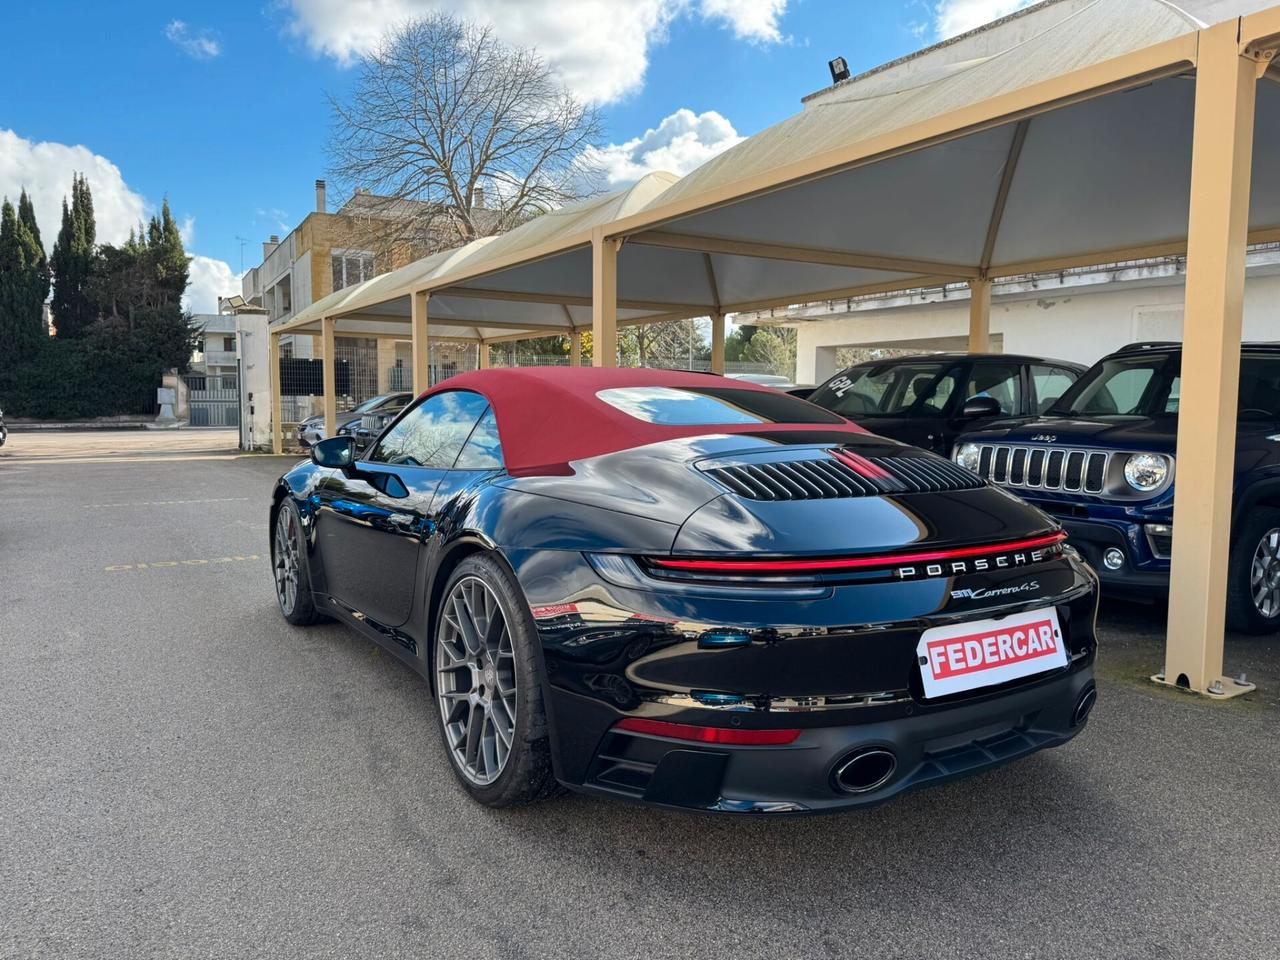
column 981, row 653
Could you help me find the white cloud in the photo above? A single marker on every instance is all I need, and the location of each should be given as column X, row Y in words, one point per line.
column 953, row 17
column 749, row 19
column 208, row 280
column 600, row 47
column 198, row 44
column 45, row 171
column 681, row 142
column 187, row 230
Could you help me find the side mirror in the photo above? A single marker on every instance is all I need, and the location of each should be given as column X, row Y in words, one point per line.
column 976, row 407
column 336, row 453
column 804, row 393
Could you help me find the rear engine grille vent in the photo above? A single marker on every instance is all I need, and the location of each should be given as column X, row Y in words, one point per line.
column 1044, row 469
column 829, row 477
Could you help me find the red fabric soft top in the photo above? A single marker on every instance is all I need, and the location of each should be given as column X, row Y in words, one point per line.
column 551, row 416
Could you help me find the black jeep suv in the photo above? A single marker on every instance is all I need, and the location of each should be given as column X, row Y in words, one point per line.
column 1102, row 461
column 929, row 400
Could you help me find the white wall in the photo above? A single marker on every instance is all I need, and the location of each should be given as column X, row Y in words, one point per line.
column 255, row 371
column 1080, row 323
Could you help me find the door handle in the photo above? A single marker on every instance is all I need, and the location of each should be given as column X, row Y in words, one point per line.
column 407, row 523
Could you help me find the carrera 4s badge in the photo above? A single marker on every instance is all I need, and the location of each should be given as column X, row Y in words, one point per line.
column 982, row 592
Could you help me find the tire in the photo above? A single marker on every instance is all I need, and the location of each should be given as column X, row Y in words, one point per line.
column 1253, row 575
column 483, row 674
column 289, row 568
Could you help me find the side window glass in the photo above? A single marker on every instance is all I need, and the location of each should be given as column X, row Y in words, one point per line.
column 1000, row 381
column 1259, row 389
column 1051, row 383
column 433, row 432
column 1123, row 392
column 927, row 397
column 483, row 449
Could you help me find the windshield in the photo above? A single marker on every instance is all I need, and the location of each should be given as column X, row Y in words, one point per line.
column 684, row 406
column 917, row 389
column 372, row 403
column 1143, row 385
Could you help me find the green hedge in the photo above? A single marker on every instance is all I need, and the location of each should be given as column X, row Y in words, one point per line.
column 107, row 373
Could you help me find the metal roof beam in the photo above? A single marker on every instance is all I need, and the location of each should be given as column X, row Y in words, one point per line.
column 479, row 293
column 787, row 252
column 1002, row 194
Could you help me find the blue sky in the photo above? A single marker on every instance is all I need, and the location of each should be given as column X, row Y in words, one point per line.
column 222, row 107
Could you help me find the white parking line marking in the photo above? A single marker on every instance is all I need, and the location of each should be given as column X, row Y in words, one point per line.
column 164, row 564
column 164, row 503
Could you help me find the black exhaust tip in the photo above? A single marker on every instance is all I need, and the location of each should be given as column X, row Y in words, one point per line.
column 1084, row 705
column 865, row 770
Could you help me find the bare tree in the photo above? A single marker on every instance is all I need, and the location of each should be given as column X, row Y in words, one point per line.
column 450, row 134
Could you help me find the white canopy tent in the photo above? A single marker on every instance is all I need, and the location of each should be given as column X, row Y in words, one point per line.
column 1119, row 129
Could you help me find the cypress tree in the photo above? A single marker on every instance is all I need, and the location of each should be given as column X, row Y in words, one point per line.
column 73, row 307
column 171, row 261
column 23, row 285
column 41, row 280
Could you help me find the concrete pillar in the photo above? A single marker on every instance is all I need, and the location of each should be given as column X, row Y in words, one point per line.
column 979, row 316
column 717, row 343
column 1217, row 236
column 418, row 323
column 386, row 362
column 328, row 327
column 604, row 300
column 482, row 355
column 575, row 349
column 273, row 361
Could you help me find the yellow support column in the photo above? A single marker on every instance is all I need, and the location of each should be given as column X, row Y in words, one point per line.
column 575, row 349
column 273, row 361
column 1221, row 163
column 482, row 356
column 328, row 327
column 717, row 343
column 604, row 300
column 980, row 316
column 420, row 357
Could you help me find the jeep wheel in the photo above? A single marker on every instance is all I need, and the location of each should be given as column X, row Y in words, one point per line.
column 1253, row 577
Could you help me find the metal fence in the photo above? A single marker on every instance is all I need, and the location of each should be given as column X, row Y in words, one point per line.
column 213, row 401
column 366, row 379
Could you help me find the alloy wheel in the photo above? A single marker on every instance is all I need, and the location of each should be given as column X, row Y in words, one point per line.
column 1264, row 574
column 476, row 680
column 285, row 560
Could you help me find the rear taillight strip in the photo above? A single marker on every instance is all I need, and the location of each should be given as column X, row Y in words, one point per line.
column 836, row 564
column 731, row 736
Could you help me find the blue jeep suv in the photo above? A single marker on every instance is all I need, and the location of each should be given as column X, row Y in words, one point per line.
column 1102, row 461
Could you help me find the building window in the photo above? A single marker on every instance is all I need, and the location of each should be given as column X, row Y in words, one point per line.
column 351, row 266
column 229, row 344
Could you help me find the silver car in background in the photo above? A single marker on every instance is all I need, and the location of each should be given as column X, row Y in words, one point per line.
column 311, row 430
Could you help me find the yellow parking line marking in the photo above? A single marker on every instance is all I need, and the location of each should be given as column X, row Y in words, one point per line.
column 164, row 564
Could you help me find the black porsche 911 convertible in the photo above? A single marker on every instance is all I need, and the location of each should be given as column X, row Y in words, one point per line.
column 690, row 591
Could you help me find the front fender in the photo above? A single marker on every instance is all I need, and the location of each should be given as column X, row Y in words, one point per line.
column 1254, row 488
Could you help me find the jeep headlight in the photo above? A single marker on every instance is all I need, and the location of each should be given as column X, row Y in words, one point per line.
column 1146, row 471
column 969, row 456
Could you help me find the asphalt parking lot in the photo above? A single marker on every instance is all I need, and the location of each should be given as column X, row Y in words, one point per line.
column 185, row 775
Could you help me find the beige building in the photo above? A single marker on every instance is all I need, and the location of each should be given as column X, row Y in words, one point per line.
column 324, row 253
